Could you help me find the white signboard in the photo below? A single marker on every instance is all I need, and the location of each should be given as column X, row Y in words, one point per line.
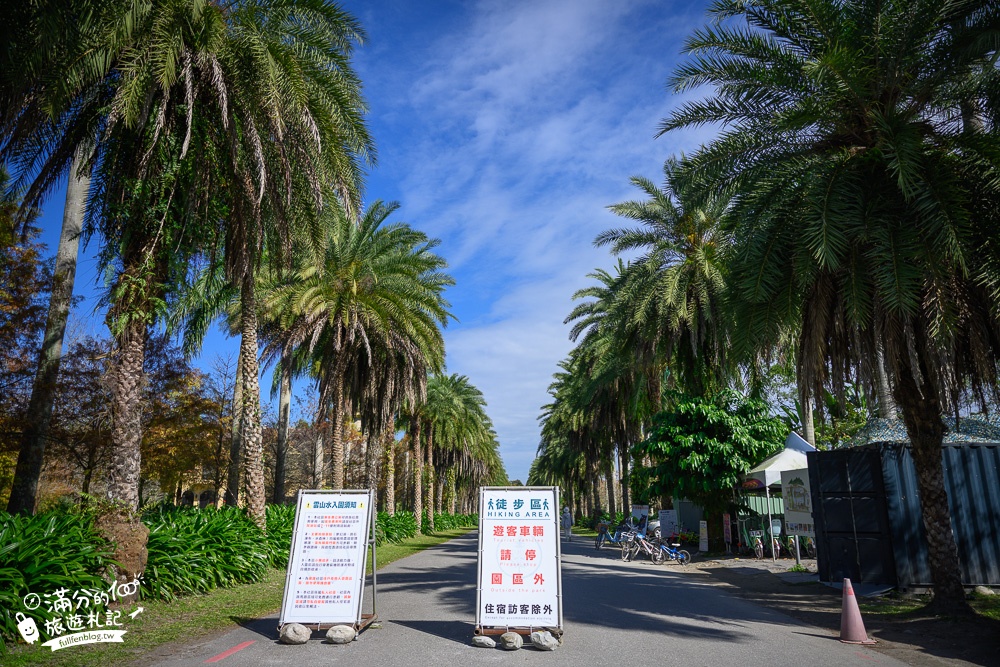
column 640, row 516
column 702, row 536
column 798, row 502
column 519, row 575
column 326, row 568
column 668, row 523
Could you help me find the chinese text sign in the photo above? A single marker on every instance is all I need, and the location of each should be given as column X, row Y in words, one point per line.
column 519, row 577
column 326, row 568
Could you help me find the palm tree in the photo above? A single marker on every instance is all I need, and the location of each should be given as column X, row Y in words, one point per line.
column 378, row 289
column 678, row 283
column 865, row 202
column 299, row 105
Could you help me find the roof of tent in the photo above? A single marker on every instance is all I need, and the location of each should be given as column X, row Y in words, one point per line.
column 768, row 473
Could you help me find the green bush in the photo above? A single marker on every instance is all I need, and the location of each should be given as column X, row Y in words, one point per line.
column 395, row 527
column 196, row 550
column 451, row 521
column 44, row 553
column 280, row 524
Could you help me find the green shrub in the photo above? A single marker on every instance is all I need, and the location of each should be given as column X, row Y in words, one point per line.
column 43, row 553
column 395, row 527
column 280, row 525
column 196, row 550
column 451, row 521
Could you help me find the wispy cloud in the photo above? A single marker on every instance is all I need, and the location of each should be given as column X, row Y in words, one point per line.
column 506, row 135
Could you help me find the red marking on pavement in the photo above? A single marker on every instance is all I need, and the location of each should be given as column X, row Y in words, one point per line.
column 226, row 654
column 865, row 657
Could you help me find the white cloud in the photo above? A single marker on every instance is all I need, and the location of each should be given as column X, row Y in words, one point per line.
column 507, row 136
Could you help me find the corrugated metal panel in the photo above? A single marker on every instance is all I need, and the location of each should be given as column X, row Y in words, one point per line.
column 759, row 504
column 972, row 478
column 852, row 524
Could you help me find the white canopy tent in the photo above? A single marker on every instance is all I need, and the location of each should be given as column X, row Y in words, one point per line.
column 768, row 474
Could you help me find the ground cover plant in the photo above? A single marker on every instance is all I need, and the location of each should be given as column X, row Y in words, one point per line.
column 191, row 551
column 44, row 553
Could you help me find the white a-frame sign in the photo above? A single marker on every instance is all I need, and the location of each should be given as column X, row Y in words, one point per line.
column 520, row 581
column 324, row 584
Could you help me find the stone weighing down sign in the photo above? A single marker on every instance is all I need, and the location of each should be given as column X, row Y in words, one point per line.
column 326, row 568
column 519, row 575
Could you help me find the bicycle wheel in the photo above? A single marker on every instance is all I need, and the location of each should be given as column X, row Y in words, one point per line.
column 599, row 541
column 683, row 557
column 657, row 555
column 758, row 550
column 626, row 551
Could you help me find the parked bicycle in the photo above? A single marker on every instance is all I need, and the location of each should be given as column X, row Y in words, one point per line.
column 672, row 551
column 639, row 544
column 604, row 536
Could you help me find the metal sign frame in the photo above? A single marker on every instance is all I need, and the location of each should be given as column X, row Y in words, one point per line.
column 362, row 619
column 480, row 628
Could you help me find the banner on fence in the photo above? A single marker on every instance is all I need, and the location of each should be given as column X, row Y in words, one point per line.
column 520, row 583
column 798, row 502
column 325, row 580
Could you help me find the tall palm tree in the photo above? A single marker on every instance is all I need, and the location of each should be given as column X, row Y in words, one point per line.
column 378, row 288
column 678, row 283
column 865, row 205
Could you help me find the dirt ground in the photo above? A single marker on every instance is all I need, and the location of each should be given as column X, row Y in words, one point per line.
column 920, row 641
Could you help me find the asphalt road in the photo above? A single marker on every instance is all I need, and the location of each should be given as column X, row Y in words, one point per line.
column 615, row 614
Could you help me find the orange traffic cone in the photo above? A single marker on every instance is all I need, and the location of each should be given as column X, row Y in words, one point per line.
column 852, row 628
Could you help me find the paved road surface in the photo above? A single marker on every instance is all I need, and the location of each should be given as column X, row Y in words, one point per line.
column 615, row 614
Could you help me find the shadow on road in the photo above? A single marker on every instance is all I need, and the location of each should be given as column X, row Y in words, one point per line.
column 456, row 631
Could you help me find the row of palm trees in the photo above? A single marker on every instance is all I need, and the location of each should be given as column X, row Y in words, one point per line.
column 843, row 221
column 215, row 151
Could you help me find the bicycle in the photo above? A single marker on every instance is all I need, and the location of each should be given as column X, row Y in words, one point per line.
column 673, row 552
column 627, row 542
column 758, row 543
column 640, row 543
column 604, row 536
column 809, row 545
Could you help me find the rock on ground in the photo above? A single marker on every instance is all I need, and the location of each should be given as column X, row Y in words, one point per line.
column 341, row 634
column 544, row 641
column 482, row 641
column 294, row 633
column 511, row 641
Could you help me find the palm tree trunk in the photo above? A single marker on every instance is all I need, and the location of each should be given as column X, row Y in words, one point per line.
column 418, row 474
column 372, row 455
column 626, row 494
column 284, row 404
column 127, row 383
column 439, row 481
column 430, row 477
column 609, row 475
column 319, row 465
column 389, row 467
column 886, row 405
column 808, row 423
column 236, row 441
column 252, row 431
column 451, row 489
column 922, row 417
column 337, row 426
column 24, row 492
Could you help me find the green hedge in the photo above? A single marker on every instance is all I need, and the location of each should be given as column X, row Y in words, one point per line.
column 194, row 551
column 45, row 553
column 190, row 551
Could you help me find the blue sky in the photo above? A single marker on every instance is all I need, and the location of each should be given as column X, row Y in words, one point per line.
column 505, row 129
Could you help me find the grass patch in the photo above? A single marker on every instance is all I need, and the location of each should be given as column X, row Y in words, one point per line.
column 193, row 616
column 896, row 605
